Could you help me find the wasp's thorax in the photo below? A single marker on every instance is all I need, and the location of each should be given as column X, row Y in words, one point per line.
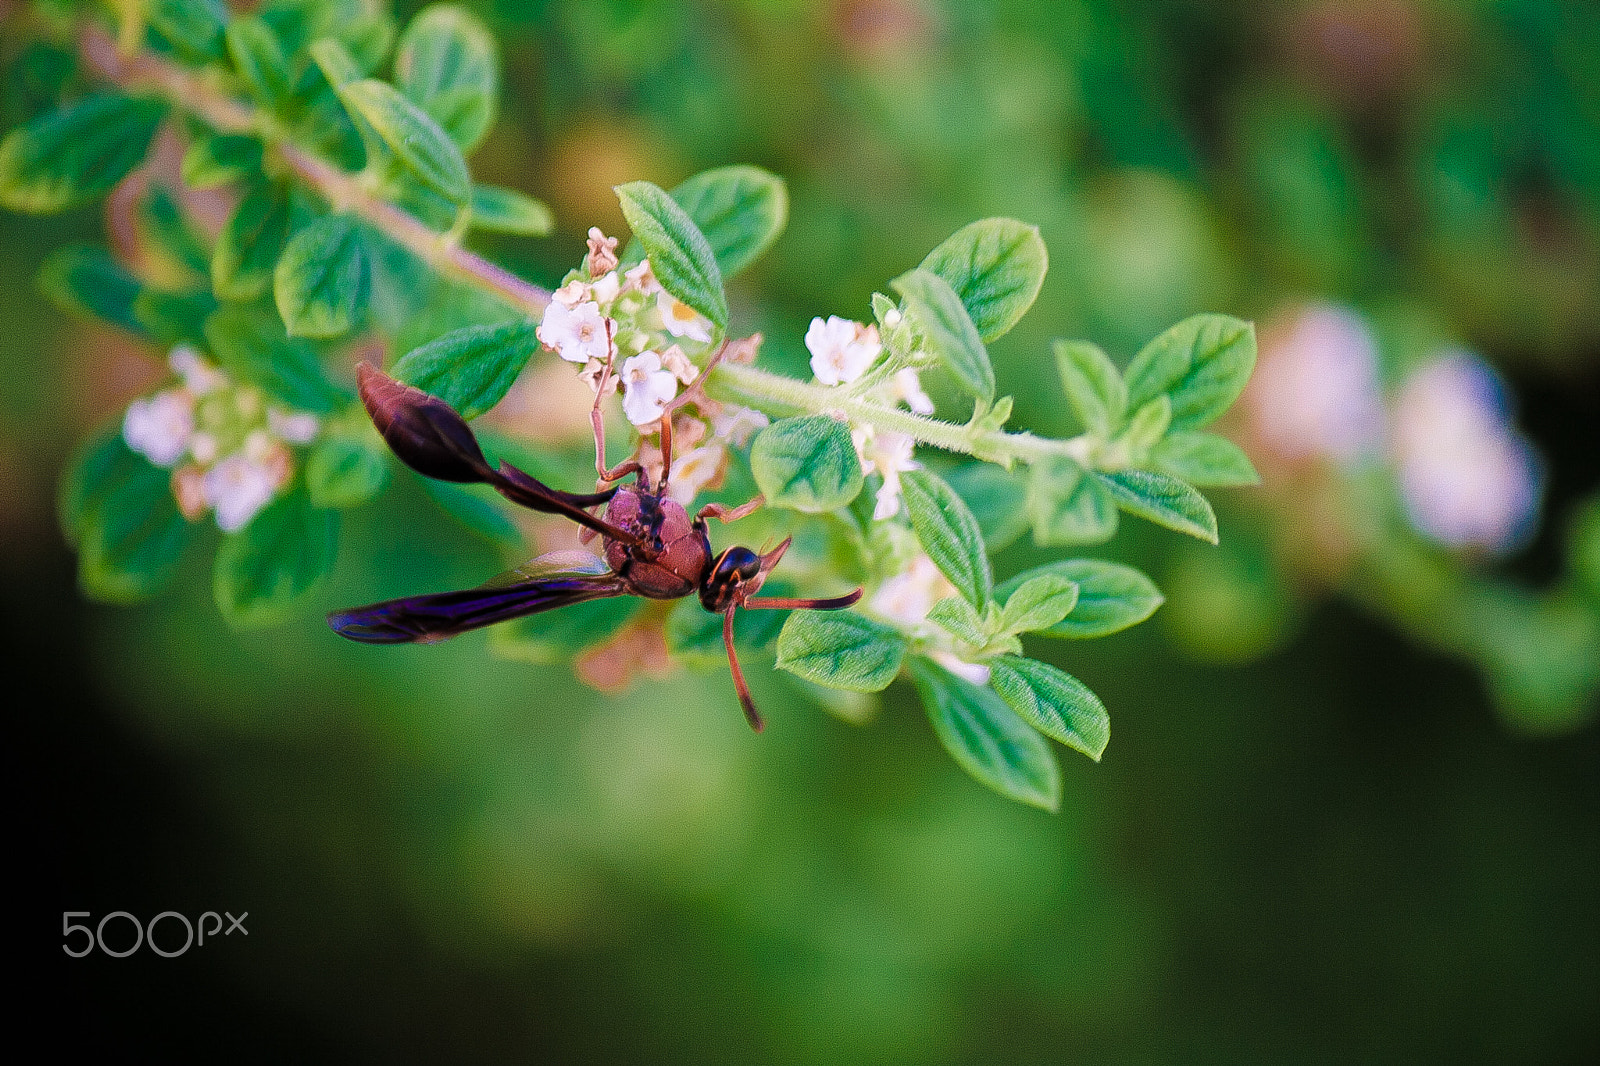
column 675, row 553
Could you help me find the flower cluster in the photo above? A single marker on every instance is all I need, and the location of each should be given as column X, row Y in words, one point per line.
column 1467, row 479
column 907, row 597
column 227, row 448
column 842, row 352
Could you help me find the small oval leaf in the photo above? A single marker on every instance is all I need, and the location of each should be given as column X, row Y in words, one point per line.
column 414, row 137
column 840, row 649
column 75, row 155
column 345, row 472
column 987, row 738
column 740, row 209
column 323, row 279
column 1055, row 703
column 807, row 464
column 680, row 256
column 1067, row 505
column 1203, row 363
column 1111, row 597
column 938, row 313
column 470, row 369
column 1163, row 500
column 996, row 266
column 508, row 211
column 949, row 534
column 448, row 63
column 267, row 569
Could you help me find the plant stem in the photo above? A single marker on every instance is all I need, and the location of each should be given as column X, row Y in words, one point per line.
column 204, row 98
column 775, row 394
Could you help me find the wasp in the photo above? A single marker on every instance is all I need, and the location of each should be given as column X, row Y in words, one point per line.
column 652, row 548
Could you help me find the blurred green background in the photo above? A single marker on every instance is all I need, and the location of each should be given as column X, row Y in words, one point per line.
column 1332, row 849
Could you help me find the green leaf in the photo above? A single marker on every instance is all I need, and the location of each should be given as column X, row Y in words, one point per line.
column 345, row 472
column 85, row 280
column 987, row 738
column 220, row 158
column 251, row 345
column 1583, row 546
column 473, row 368
column 174, row 317
column 741, row 210
column 477, row 507
column 1055, row 703
column 840, row 649
column 75, row 155
column 414, row 137
column 997, row 498
column 1111, row 597
column 680, row 256
column 1148, row 425
column 1203, row 459
column 131, row 544
column 508, row 211
column 1039, row 603
column 249, row 245
column 265, row 571
column 806, row 464
column 996, row 266
column 1093, row 386
column 193, row 27
column 1203, row 363
column 1163, row 500
column 949, row 534
column 323, row 280
column 259, row 58
column 938, row 313
column 168, row 236
column 1067, row 505
column 448, row 64
column 100, row 463
column 960, row 619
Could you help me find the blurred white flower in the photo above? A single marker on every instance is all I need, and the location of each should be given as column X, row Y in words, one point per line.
column 238, row 488
column 604, row 289
column 646, row 388
column 1315, row 392
column 841, row 350
column 1468, row 479
column 693, row 470
column 885, row 453
column 577, row 334
column 906, row 387
column 203, row 448
column 681, row 320
column 908, row 596
column 295, row 427
column 199, row 376
column 977, row 673
column 571, row 294
column 735, row 424
column 159, row 428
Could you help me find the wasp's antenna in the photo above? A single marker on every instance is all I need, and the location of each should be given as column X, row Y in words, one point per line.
column 751, row 715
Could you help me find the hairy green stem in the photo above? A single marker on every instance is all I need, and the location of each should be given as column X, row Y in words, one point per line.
column 775, row 394
column 204, row 98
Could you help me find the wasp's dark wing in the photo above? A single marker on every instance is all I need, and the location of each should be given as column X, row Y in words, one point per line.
column 445, row 614
column 431, row 438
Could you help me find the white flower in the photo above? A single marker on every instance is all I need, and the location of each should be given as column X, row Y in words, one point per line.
column 977, row 673
column 296, row 427
column 642, row 278
column 885, row 453
column 735, row 424
column 199, row 376
column 908, row 596
column 571, row 294
column 577, row 334
column 906, row 387
column 203, row 448
column 604, row 290
column 693, row 470
column 646, row 388
column 1315, row 392
column 1467, row 477
column 681, row 320
column 159, row 428
column 841, row 350
column 238, row 487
